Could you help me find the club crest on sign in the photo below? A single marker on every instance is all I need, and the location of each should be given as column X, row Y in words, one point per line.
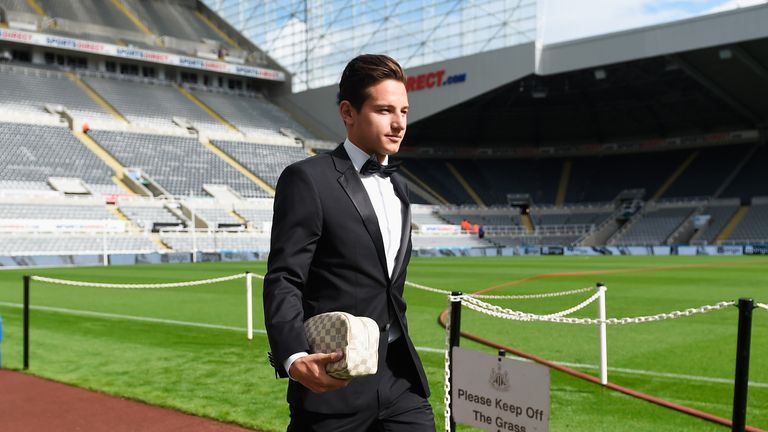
column 499, row 380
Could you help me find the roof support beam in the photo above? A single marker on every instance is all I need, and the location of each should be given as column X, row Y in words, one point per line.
column 737, row 106
column 750, row 61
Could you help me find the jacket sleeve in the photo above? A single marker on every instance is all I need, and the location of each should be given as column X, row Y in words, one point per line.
column 296, row 227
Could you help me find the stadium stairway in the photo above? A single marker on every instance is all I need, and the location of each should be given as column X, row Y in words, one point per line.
column 96, row 97
column 225, row 37
column 208, row 110
column 604, row 231
column 238, row 218
column 237, row 165
column 616, row 237
column 686, row 230
column 132, row 227
column 465, row 184
column 527, row 221
column 732, row 224
column 565, row 178
column 423, row 189
column 675, row 175
column 36, row 7
column 101, row 153
column 735, row 173
column 132, row 17
column 156, row 239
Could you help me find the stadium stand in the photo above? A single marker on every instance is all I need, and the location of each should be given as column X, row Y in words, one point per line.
column 266, row 160
column 572, row 215
column 31, row 89
column 708, row 171
column 35, row 153
column 493, row 216
column 719, row 212
column 50, row 223
column 60, row 212
column 16, row 5
column 179, row 163
column 493, row 179
column 13, row 185
column 427, row 219
column 531, row 240
column 152, row 103
column 434, row 173
column 750, row 181
column 172, row 19
column 753, row 228
column 257, row 218
column 87, row 11
column 215, row 217
column 149, row 214
column 602, row 178
column 654, row 227
column 251, row 114
column 31, row 244
column 186, row 242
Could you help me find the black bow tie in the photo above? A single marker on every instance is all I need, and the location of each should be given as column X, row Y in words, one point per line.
column 372, row 166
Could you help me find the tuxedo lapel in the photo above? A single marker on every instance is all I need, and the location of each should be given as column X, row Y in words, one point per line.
column 350, row 182
column 406, row 231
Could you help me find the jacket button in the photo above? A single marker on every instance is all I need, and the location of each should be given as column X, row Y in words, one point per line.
column 386, row 327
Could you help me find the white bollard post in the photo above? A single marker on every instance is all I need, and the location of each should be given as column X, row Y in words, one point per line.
column 603, row 336
column 249, row 303
column 105, row 257
column 194, row 238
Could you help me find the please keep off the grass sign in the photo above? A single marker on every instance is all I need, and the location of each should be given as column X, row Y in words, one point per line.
column 499, row 394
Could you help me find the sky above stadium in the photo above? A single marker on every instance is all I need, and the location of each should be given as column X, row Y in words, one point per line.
column 563, row 20
column 313, row 39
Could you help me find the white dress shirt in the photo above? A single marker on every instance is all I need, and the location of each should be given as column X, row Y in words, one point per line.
column 388, row 208
column 389, row 213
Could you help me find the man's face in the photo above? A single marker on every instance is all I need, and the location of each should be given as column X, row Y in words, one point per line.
column 379, row 126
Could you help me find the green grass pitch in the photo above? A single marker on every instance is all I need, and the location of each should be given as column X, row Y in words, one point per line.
column 216, row 372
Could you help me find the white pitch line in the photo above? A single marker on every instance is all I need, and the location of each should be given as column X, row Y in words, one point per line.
column 131, row 318
column 419, row 348
column 430, row 350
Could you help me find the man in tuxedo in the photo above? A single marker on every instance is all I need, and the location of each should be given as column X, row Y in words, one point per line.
column 341, row 241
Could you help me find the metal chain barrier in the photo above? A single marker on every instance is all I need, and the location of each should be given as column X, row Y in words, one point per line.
column 138, row 286
column 764, row 306
column 579, row 306
column 499, row 312
column 504, row 297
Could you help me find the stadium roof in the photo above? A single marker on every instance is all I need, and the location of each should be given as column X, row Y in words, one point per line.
column 695, row 76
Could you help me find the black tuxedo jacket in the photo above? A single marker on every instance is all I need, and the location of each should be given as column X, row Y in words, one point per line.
column 327, row 254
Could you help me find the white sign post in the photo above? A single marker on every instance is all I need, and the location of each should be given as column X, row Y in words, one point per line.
column 499, row 394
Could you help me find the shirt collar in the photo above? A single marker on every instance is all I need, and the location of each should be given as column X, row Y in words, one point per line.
column 357, row 156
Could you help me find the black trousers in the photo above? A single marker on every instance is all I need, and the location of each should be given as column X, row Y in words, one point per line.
column 399, row 409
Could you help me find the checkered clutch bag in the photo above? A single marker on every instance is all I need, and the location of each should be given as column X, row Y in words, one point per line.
column 356, row 337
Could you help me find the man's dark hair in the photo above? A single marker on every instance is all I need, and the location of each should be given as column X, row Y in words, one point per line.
column 363, row 72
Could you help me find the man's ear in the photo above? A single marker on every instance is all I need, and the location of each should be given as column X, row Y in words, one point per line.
column 346, row 111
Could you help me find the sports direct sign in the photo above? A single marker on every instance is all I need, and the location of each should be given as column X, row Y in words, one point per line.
column 79, row 45
column 434, row 79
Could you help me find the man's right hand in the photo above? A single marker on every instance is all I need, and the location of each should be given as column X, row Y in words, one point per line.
column 309, row 371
